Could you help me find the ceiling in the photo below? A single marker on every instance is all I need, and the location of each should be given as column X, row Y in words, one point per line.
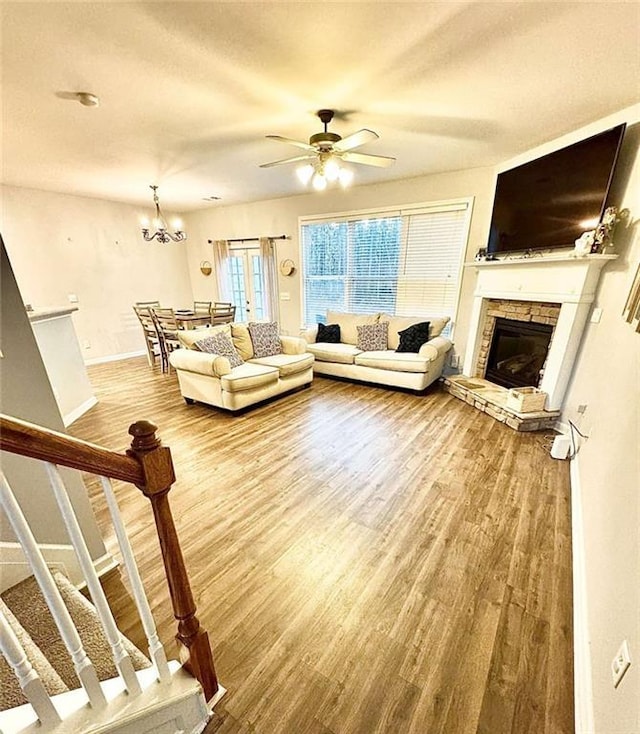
column 189, row 90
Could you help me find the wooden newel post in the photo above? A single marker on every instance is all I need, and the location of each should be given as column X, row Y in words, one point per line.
column 193, row 641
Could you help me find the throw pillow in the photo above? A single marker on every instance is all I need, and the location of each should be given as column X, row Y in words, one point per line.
column 328, row 333
column 373, row 337
column 414, row 337
column 220, row 344
column 265, row 339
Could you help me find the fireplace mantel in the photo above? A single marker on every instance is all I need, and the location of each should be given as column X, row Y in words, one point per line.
column 567, row 280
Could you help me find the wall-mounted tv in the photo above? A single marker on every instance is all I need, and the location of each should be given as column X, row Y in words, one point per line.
column 549, row 202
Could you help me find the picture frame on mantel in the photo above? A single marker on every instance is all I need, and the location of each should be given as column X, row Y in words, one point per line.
column 631, row 310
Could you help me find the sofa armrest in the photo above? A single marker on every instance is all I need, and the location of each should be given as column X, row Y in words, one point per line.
column 310, row 334
column 293, row 345
column 203, row 363
column 435, row 347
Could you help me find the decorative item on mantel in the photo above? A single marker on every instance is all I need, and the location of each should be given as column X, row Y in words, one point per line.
column 596, row 241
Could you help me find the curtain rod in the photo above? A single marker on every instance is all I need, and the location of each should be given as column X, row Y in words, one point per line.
column 254, row 239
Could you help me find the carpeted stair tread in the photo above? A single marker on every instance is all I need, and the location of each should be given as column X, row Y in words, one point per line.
column 10, row 692
column 29, row 606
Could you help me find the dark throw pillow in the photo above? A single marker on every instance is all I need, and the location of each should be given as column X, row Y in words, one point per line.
column 265, row 339
column 328, row 333
column 414, row 337
column 373, row 337
column 220, row 344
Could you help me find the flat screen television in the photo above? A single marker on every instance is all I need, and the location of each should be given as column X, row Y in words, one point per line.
column 549, row 202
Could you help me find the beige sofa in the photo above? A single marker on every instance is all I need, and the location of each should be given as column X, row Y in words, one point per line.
column 411, row 370
column 209, row 378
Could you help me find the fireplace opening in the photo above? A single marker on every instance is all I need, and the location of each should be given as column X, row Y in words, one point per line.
column 518, row 352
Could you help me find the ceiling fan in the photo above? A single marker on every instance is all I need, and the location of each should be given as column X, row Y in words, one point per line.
column 326, row 150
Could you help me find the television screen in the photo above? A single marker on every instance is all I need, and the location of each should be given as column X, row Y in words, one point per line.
column 549, row 202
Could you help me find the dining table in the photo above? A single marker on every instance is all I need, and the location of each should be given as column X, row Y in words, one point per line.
column 189, row 319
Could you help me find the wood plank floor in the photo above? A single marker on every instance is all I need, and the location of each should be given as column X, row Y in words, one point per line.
column 365, row 560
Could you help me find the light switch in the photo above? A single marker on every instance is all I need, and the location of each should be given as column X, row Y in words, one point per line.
column 285, row 296
column 596, row 315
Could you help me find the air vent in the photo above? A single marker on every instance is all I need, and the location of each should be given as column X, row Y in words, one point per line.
column 211, row 198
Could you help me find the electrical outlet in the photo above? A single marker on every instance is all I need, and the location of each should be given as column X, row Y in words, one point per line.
column 454, row 361
column 72, row 298
column 86, row 344
column 620, row 663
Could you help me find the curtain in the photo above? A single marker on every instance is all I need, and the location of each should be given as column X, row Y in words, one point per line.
column 270, row 290
column 221, row 264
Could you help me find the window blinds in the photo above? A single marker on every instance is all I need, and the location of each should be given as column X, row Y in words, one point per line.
column 404, row 262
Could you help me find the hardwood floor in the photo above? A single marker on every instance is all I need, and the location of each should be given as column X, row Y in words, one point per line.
column 364, row 560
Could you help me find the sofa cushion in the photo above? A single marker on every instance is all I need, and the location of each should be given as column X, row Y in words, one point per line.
column 265, row 338
column 412, row 338
column 221, row 344
column 328, row 333
column 372, row 337
column 188, row 337
column 399, row 323
column 348, row 322
column 287, row 364
column 248, row 376
column 342, row 353
column 242, row 340
column 191, row 360
column 389, row 360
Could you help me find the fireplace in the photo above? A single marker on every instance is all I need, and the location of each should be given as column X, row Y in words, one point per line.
column 518, row 352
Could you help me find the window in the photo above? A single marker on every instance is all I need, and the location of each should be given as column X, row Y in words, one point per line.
column 405, row 262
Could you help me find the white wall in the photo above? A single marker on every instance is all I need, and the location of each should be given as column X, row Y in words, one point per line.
column 25, row 392
column 280, row 216
column 60, row 244
column 607, row 380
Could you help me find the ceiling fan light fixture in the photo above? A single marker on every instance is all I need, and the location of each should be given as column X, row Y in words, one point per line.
column 305, row 173
column 332, row 170
column 345, row 176
column 319, row 182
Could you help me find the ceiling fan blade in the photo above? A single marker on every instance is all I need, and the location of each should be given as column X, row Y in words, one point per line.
column 355, row 140
column 307, row 157
column 382, row 161
column 297, row 143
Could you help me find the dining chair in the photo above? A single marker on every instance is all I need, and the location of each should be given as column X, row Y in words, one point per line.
column 222, row 312
column 151, row 339
column 168, row 328
column 202, row 307
column 148, row 304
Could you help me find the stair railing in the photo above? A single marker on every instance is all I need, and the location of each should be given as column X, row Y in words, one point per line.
column 147, row 465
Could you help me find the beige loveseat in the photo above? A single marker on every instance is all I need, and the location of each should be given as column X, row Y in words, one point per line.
column 209, row 378
column 411, row 370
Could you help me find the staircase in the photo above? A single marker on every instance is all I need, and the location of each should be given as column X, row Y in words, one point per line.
column 65, row 666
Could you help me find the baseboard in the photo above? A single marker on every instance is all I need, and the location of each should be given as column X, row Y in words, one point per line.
column 114, row 357
column 583, row 690
column 69, row 418
column 14, row 567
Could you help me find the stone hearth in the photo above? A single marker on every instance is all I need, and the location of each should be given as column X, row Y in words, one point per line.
column 492, row 399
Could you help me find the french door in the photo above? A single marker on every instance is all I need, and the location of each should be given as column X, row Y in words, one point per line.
column 245, row 270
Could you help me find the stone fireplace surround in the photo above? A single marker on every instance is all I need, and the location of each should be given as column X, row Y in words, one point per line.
column 548, row 289
column 534, row 312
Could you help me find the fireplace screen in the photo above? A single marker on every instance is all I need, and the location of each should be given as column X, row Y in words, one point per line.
column 518, row 353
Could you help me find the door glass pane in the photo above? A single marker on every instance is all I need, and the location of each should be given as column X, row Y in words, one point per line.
column 257, row 282
column 239, row 294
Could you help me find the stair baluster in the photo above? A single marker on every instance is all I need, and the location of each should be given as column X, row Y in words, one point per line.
column 156, row 649
column 29, row 680
column 83, row 666
column 157, row 466
column 121, row 658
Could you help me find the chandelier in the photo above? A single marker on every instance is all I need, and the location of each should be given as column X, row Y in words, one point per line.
column 162, row 233
column 325, row 169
